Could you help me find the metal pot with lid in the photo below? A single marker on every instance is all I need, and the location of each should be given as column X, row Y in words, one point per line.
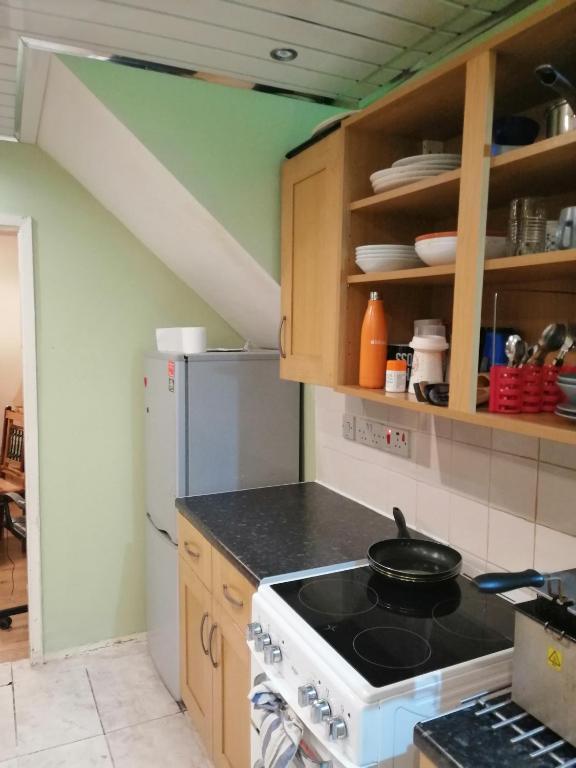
column 561, row 115
column 544, row 664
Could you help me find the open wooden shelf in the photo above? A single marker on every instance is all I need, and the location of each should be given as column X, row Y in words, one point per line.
column 535, row 266
column 547, row 426
column 427, row 197
column 537, row 169
column 418, row 276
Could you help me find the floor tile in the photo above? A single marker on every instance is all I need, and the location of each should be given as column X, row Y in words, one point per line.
column 5, row 674
column 128, row 691
column 7, row 728
column 53, row 707
column 91, row 753
column 168, row 741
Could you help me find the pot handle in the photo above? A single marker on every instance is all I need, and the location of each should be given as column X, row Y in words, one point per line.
column 505, row 582
column 401, row 523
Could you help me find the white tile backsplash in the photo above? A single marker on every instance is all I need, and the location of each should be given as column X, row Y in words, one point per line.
column 469, row 526
column 478, row 489
column 510, row 541
column 513, row 482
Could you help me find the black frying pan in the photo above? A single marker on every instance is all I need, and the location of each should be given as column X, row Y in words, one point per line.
column 413, row 560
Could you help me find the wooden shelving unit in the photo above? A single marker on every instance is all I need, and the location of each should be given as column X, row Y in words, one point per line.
column 495, row 78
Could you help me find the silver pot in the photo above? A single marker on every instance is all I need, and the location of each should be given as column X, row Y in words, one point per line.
column 560, row 118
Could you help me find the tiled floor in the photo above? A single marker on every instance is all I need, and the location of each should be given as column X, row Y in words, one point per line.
column 105, row 709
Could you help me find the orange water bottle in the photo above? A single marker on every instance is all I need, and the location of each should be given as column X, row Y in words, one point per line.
column 373, row 344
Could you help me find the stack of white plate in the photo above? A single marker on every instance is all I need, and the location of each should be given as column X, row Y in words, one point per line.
column 411, row 169
column 386, row 257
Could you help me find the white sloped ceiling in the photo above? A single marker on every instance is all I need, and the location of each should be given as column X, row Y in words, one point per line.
column 86, row 139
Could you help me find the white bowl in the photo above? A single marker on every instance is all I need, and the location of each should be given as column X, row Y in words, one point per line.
column 437, row 250
column 569, row 389
column 387, row 264
column 496, row 247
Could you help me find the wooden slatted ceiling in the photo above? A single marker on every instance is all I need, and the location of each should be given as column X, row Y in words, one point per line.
column 346, row 48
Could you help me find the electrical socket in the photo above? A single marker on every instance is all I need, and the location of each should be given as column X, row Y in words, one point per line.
column 348, row 427
column 380, row 436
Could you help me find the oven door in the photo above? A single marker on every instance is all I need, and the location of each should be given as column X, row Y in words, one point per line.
column 302, row 760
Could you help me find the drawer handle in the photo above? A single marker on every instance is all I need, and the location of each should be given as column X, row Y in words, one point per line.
column 195, row 553
column 231, row 599
column 281, row 337
column 206, row 650
column 213, row 629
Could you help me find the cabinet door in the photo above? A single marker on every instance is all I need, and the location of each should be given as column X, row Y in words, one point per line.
column 311, row 256
column 195, row 666
column 231, row 680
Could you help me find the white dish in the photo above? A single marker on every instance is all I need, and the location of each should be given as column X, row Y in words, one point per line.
column 433, row 156
column 396, row 246
column 373, row 251
column 566, row 412
column 388, row 265
column 496, row 247
column 383, row 186
column 387, row 255
column 437, row 250
column 398, row 173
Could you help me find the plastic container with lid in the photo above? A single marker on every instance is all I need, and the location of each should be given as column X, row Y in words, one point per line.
column 396, row 375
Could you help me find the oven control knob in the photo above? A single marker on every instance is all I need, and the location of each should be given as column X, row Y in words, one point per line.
column 253, row 630
column 272, row 654
column 337, row 729
column 261, row 641
column 320, row 711
column 306, row 695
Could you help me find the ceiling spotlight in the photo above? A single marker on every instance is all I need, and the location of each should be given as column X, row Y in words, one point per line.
column 283, row 54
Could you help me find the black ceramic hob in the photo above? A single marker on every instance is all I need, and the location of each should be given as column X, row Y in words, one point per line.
column 391, row 632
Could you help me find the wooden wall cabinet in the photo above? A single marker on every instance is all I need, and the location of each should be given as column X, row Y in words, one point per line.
column 215, row 600
column 310, row 273
column 454, row 104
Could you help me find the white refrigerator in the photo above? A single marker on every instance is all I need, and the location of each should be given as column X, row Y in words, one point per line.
column 215, row 422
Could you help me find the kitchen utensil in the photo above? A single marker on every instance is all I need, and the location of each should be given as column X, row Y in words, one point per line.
column 428, row 158
column 429, row 327
column 413, row 560
column 566, row 232
column 567, row 344
column 436, row 394
column 566, row 411
column 560, row 117
column 440, row 247
column 514, row 129
column 482, row 388
column 552, row 337
column 513, row 349
column 551, row 227
column 544, row 664
column 526, row 226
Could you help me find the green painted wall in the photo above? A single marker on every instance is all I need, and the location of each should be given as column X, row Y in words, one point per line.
column 224, row 144
column 99, row 296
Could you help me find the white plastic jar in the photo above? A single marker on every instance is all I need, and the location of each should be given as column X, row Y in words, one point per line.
column 428, row 360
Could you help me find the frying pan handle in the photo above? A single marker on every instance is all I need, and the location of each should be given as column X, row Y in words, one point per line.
column 401, row 523
column 504, row 582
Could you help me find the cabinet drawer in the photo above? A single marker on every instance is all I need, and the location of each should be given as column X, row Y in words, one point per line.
column 195, row 550
column 231, row 590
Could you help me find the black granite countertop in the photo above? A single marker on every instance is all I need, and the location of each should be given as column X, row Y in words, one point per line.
column 287, row 528
column 464, row 739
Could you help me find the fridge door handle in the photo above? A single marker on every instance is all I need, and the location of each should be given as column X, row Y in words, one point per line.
column 161, row 531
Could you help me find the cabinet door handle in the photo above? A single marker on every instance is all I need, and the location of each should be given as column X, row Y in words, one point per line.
column 213, row 629
column 281, row 337
column 195, row 553
column 231, row 599
column 206, row 650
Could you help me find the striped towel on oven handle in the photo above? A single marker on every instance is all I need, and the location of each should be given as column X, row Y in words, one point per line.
column 280, row 733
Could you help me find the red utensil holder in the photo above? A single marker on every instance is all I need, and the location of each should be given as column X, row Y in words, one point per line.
column 505, row 389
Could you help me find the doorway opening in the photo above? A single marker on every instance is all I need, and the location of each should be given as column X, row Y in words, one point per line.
column 13, row 562
column 20, row 567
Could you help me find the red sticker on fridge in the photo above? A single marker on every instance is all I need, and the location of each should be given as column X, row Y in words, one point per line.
column 171, row 369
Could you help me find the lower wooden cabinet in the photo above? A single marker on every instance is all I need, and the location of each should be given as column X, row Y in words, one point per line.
column 231, row 708
column 425, row 762
column 215, row 660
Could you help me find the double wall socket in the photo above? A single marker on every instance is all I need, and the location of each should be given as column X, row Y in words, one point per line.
column 376, row 435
